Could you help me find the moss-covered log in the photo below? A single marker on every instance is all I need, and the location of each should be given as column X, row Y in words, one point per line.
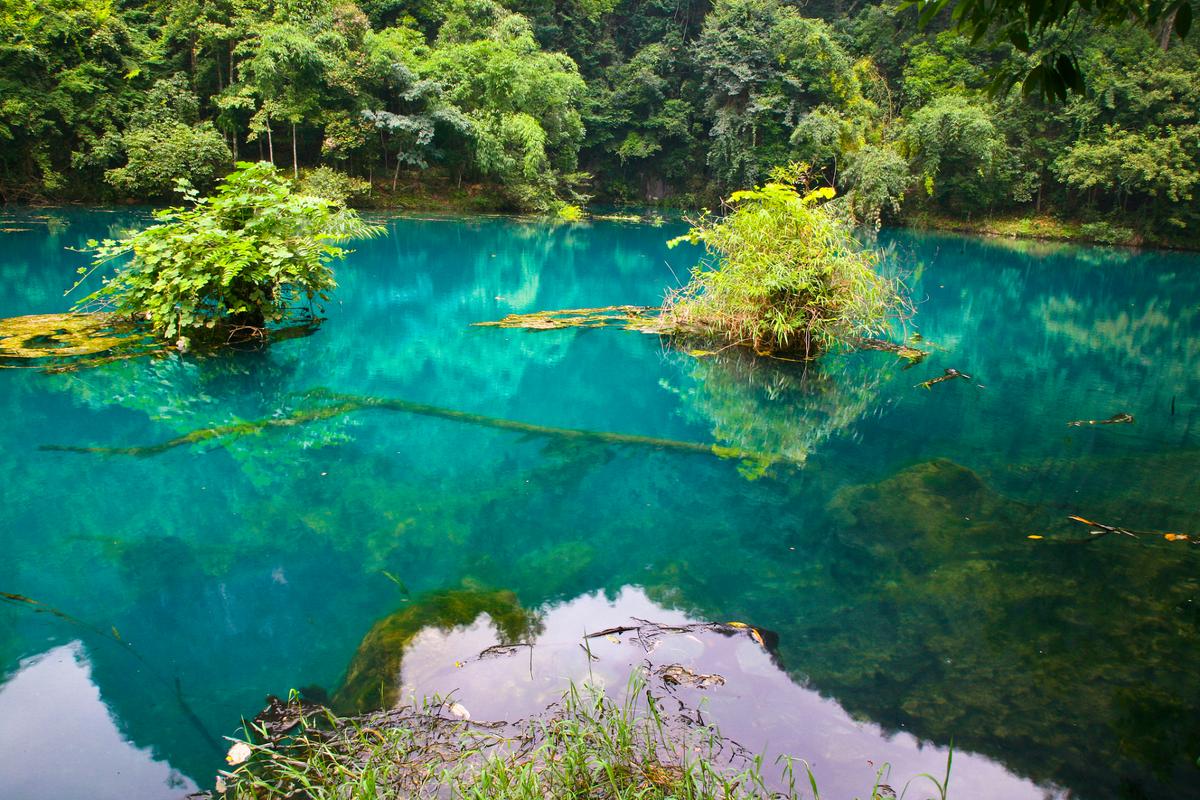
column 339, row 404
column 82, row 340
column 649, row 319
column 58, row 341
column 645, row 319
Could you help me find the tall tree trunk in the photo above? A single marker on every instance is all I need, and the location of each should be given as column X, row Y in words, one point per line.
column 270, row 142
column 396, row 174
column 1164, row 31
column 295, row 162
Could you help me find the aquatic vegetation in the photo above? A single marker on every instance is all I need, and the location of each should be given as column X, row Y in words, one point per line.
column 233, row 262
column 783, row 274
column 651, row 319
column 586, row 745
column 373, row 678
column 937, row 566
column 568, row 212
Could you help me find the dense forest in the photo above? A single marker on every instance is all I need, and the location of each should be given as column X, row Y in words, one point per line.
column 524, row 104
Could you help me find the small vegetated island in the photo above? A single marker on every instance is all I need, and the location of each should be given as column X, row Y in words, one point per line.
column 248, row 262
column 783, row 276
column 255, row 253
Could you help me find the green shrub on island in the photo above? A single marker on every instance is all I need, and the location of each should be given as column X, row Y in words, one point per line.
column 253, row 253
column 783, row 274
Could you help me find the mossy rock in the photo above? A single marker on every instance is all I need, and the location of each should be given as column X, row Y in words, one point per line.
column 937, row 503
column 373, row 678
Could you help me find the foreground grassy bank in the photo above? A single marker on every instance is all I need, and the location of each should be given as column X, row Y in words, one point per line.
column 586, row 746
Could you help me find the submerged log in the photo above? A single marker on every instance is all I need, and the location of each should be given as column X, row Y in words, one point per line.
column 341, row 404
column 82, row 340
column 646, row 319
column 58, row 341
column 649, row 319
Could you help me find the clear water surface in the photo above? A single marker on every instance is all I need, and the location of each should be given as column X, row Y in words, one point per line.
column 881, row 542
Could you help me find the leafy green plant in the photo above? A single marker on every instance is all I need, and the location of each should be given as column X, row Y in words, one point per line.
column 568, row 212
column 251, row 254
column 784, row 273
column 335, row 186
column 878, row 177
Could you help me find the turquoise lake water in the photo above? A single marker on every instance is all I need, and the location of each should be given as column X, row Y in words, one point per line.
column 884, row 542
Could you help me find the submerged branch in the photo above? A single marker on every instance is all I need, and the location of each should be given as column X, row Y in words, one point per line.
column 950, row 374
column 1119, row 418
column 341, row 404
column 1099, row 530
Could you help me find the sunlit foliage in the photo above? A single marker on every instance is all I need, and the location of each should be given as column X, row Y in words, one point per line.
column 784, row 273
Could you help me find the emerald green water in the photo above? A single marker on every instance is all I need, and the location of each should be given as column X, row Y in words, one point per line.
column 886, row 546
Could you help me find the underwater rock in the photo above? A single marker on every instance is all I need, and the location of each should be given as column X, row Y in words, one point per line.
column 937, row 502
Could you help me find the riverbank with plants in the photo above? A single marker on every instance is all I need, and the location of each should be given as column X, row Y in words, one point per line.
column 643, row 745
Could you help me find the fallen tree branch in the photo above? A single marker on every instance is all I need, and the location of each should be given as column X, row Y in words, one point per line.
column 1116, row 419
column 649, row 319
column 340, row 404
